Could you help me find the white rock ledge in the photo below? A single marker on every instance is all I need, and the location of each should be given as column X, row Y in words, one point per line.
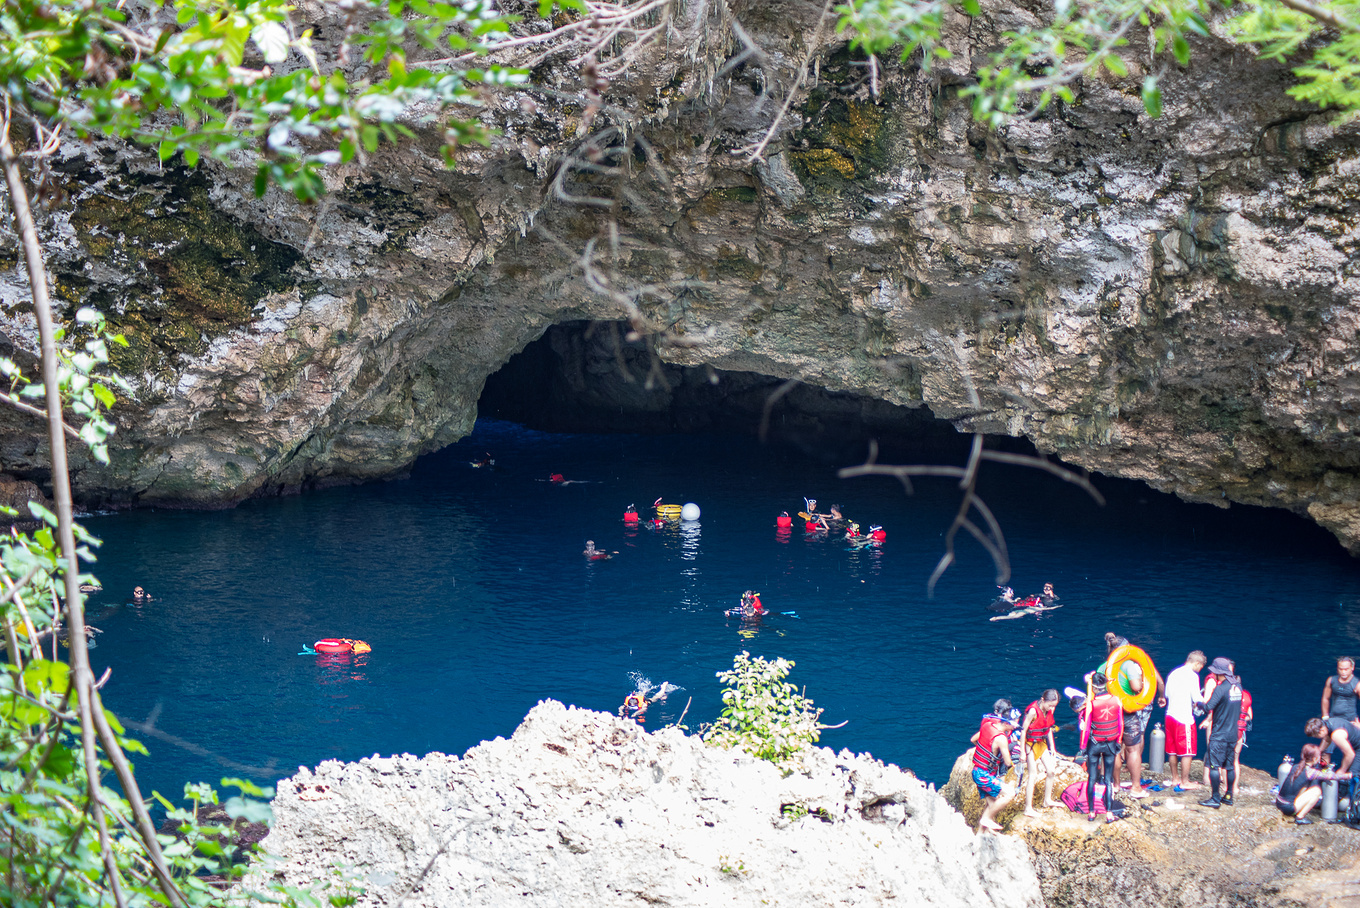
column 580, row 808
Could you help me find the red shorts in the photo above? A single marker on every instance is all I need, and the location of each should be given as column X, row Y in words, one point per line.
column 1180, row 738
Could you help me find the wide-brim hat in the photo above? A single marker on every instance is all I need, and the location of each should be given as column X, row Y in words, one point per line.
column 1220, row 666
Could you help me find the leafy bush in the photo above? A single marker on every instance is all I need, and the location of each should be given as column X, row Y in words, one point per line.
column 764, row 715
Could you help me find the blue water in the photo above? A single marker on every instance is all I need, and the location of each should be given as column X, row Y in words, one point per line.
column 471, row 587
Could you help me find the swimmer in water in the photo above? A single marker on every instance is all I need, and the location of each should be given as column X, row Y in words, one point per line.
column 1003, row 602
column 140, row 595
column 1048, row 596
column 1027, row 610
column 751, row 607
column 634, row 706
column 483, row 461
column 595, row 554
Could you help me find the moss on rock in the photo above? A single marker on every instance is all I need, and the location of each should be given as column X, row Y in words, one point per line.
column 197, row 273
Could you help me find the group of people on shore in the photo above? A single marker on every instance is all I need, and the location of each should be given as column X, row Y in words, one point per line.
column 1113, row 714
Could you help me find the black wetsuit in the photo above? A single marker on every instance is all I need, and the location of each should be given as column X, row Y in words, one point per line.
column 1300, row 778
column 1225, row 705
column 1342, row 704
column 1352, row 731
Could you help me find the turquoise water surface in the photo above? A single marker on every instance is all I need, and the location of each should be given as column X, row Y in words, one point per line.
column 471, row 588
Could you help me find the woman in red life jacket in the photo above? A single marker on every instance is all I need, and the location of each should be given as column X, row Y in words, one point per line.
column 1037, row 727
column 991, row 750
column 1104, row 733
column 1243, row 724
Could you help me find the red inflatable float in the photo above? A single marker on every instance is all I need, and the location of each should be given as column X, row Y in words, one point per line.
column 783, row 520
column 341, row 645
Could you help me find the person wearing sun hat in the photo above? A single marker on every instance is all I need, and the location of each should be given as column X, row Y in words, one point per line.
column 1224, row 706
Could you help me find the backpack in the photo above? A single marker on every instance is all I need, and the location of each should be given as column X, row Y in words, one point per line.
column 1074, row 796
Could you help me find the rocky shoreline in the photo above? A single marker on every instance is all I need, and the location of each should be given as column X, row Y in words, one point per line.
column 1171, row 852
column 583, row 808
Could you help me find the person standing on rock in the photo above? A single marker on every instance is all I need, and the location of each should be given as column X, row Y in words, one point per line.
column 1339, row 693
column 1224, row 707
column 1182, row 689
column 991, row 751
column 1104, row 729
column 1244, row 720
column 1037, row 729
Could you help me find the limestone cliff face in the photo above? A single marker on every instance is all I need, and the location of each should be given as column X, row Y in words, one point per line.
column 582, row 808
column 1168, row 300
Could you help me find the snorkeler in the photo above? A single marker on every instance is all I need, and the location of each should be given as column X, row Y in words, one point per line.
column 484, row 461
column 634, row 706
column 1048, row 596
column 751, row 607
column 1004, row 602
column 595, row 554
column 1027, row 610
column 140, row 595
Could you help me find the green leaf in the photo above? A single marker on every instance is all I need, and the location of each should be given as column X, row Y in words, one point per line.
column 42, row 513
column 1115, row 65
column 45, row 675
column 1152, row 97
column 261, row 180
column 1181, row 48
column 369, row 135
column 972, row 7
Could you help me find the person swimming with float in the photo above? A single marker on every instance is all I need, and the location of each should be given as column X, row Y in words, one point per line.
column 1004, row 601
column 484, row 461
column 1048, row 596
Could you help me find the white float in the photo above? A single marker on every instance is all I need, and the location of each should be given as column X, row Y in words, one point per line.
column 690, row 511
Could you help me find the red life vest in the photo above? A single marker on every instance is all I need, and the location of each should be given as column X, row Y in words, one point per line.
column 1107, row 719
column 1043, row 721
column 1242, row 714
column 983, row 755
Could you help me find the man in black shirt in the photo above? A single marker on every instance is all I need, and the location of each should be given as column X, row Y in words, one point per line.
column 1339, row 693
column 1223, row 706
column 1344, row 733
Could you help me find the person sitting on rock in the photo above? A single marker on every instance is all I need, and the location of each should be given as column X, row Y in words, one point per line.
column 1302, row 788
column 992, row 749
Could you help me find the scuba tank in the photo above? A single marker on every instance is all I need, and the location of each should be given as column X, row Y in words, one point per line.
column 1329, row 800
column 1286, row 766
column 1157, row 755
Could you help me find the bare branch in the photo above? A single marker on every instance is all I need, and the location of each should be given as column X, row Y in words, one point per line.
column 34, row 411
column 756, row 152
column 773, row 398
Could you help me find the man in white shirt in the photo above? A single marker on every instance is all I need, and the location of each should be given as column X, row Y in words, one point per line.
column 1182, row 689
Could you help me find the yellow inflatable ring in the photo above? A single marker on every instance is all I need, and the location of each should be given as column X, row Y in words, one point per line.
column 668, row 511
column 1131, row 701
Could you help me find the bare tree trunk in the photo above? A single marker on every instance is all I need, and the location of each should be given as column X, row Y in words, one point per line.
column 93, row 723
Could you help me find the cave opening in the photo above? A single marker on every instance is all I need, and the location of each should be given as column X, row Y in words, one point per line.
column 588, row 376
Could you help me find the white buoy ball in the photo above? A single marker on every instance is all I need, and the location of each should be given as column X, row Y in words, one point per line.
column 690, row 511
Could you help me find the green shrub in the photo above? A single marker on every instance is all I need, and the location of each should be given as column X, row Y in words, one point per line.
column 764, row 715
